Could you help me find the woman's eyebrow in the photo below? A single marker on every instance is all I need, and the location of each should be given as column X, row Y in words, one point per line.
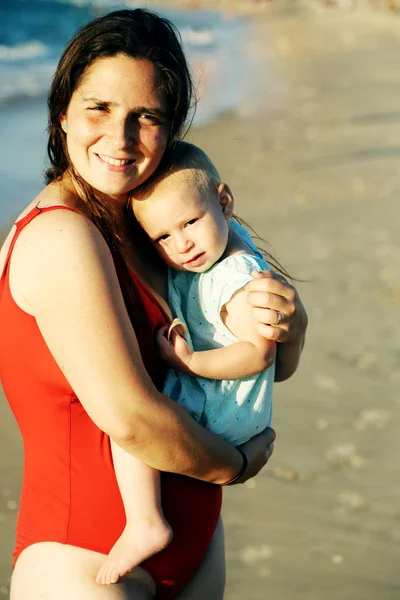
column 156, row 111
column 97, row 100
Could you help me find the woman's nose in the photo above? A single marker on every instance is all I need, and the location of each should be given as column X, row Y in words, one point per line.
column 123, row 132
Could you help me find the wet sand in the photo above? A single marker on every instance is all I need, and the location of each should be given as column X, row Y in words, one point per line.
column 312, row 158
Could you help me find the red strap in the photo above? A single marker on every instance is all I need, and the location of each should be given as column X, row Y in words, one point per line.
column 22, row 223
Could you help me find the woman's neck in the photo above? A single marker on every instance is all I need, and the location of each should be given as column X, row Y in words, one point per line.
column 115, row 204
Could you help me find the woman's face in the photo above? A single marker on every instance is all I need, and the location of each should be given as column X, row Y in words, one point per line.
column 116, row 124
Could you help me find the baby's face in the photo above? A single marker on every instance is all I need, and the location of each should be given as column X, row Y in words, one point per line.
column 190, row 232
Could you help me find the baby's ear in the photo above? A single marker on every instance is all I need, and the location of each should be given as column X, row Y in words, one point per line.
column 225, row 198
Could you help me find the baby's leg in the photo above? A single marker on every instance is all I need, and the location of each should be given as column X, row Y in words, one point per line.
column 146, row 531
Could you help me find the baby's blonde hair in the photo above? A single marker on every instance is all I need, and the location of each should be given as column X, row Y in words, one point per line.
column 192, row 162
column 183, row 159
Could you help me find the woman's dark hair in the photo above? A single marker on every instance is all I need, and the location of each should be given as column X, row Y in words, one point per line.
column 140, row 34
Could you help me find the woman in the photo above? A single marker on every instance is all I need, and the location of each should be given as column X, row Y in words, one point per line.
column 74, row 281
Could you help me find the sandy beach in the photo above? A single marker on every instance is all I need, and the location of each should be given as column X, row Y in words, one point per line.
column 312, row 158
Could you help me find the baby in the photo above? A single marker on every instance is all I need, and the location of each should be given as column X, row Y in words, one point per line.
column 223, row 373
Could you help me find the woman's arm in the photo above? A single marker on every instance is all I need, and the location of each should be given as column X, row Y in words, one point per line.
column 63, row 274
column 268, row 294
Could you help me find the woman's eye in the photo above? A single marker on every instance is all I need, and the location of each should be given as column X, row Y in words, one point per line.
column 150, row 119
column 98, row 108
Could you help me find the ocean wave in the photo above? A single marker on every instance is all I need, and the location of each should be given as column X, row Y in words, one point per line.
column 25, row 81
column 18, row 97
column 198, row 37
column 28, row 50
column 101, row 3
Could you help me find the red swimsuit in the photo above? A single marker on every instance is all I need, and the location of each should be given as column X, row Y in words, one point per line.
column 69, row 491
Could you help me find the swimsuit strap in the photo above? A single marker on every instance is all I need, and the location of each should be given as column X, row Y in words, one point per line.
column 128, row 279
column 23, row 223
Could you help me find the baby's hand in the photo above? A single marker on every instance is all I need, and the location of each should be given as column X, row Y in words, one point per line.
column 173, row 348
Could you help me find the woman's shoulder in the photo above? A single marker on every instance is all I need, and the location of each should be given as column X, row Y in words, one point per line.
column 52, row 213
column 56, row 233
column 54, row 194
column 53, row 239
column 55, row 211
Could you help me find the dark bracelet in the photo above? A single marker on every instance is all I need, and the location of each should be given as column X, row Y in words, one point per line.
column 242, row 469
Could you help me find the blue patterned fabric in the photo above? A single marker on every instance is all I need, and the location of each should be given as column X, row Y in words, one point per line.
column 236, row 409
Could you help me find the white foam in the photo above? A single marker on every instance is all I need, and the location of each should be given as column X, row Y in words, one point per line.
column 26, row 81
column 26, row 51
column 196, row 37
column 101, row 3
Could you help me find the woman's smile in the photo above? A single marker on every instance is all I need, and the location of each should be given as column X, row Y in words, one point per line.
column 116, row 124
column 118, row 165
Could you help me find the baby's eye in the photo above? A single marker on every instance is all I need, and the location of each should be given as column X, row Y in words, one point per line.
column 162, row 238
column 191, row 222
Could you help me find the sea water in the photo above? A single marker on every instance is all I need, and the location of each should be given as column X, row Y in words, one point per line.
column 33, row 34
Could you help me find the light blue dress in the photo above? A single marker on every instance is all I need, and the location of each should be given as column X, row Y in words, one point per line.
column 236, row 409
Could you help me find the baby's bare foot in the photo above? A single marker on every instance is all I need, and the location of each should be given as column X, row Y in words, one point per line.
column 137, row 542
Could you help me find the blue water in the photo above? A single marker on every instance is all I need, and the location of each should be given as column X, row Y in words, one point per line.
column 33, row 34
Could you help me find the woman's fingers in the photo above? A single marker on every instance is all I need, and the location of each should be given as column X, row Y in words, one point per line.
column 277, row 308
column 271, row 284
column 258, row 451
column 267, row 324
column 268, row 435
column 273, row 333
column 271, row 316
column 269, row 451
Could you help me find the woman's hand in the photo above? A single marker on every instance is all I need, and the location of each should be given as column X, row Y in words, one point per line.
column 281, row 316
column 258, row 451
column 271, row 295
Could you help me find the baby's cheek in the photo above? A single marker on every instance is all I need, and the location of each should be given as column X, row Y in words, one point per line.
column 172, row 262
column 165, row 255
